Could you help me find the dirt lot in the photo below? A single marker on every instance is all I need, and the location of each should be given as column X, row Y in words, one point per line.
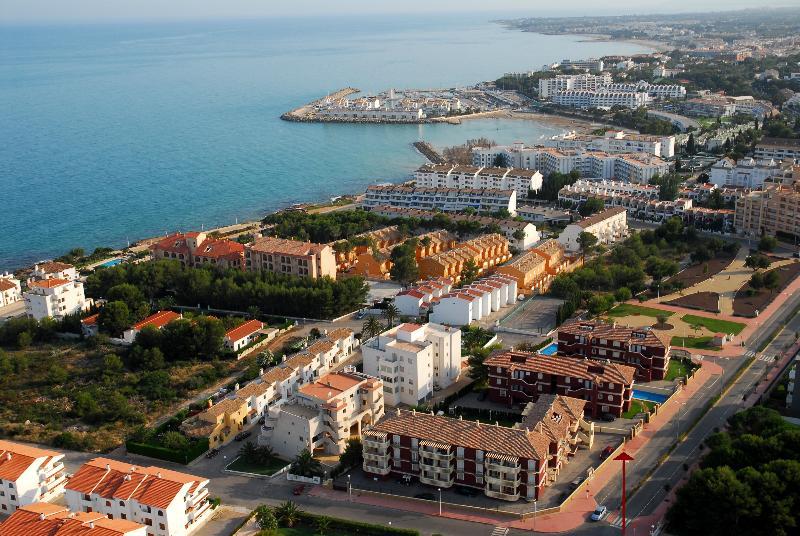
column 744, row 305
column 704, row 301
column 696, row 273
column 538, row 315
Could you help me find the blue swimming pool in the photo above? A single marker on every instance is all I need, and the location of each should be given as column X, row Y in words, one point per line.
column 550, row 349
column 112, row 262
column 650, row 397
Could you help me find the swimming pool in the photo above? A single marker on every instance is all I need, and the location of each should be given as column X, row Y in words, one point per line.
column 650, row 397
column 550, row 349
column 112, row 262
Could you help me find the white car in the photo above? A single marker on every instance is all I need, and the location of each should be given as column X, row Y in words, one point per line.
column 598, row 513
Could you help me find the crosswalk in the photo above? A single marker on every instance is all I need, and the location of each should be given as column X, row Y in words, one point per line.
column 750, row 353
column 500, row 531
column 766, row 358
column 615, row 520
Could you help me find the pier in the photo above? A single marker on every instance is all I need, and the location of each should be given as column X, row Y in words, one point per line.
column 307, row 112
column 429, row 152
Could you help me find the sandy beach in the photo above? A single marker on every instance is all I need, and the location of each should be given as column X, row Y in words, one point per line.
column 578, row 125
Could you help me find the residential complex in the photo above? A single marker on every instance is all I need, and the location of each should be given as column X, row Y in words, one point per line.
column 157, row 320
column 453, row 176
column 323, row 414
column 655, row 91
column 10, row 290
column 782, row 149
column 55, row 298
column 167, row 502
column 444, row 199
column 548, row 87
column 291, row 257
column 237, row 338
column 771, row 211
column 520, row 234
column 608, row 226
column 28, row 475
column 44, row 519
column 614, row 141
column 600, row 98
column 520, row 377
column 412, row 359
column 534, row 270
column 416, row 301
column 644, row 349
column 725, row 106
column 485, row 252
column 53, row 270
column 504, row 463
column 474, row 302
column 590, row 91
column 590, row 64
column 197, row 248
column 746, row 173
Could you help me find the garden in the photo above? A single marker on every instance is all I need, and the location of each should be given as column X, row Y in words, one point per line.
column 257, row 460
column 758, row 293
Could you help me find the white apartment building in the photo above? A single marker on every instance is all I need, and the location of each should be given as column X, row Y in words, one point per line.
column 322, row 415
column 28, row 475
column 781, row 149
column 372, row 114
column 656, row 91
column 452, row 176
column 608, row 226
column 53, row 270
column 167, row 502
column 45, row 519
column 600, row 98
column 416, row 300
column 444, row 199
column 55, row 298
column 746, row 173
column 589, row 64
column 550, row 86
column 604, row 187
column 616, row 141
column 460, row 307
column 10, row 290
column 411, row 359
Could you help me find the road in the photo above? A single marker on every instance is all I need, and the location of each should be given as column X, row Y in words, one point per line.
column 670, row 473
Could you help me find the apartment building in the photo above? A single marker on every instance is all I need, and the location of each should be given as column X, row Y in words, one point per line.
column 10, row 290
column 746, row 173
column 520, row 377
column 416, row 300
column 780, row 149
column 237, row 338
column 615, row 141
column 44, row 519
column 520, row 234
column 485, row 251
column 444, row 199
column 348, row 251
column 291, row 257
column 412, row 359
column 167, row 502
column 607, row 188
column 462, row 306
column 28, row 475
column 322, row 415
column 197, row 248
column 644, row 349
column 608, row 226
column 543, row 214
column 551, row 86
column 55, row 298
column 375, row 262
column 600, row 98
column 773, row 210
column 655, row 91
column 590, row 64
column 383, row 115
column 157, row 320
column 453, row 176
column 504, row 463
column 53, row 270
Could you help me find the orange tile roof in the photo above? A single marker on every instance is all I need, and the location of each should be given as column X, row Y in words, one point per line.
column 43, row 519
column 575, row 367
column 330, row 385
column 613, row 332
column 151, row 486
column 600, row 216
column 283, row 246
column 248, row 328
column 16, row 458
column 48, row 283
column 90, row 320
column 5, row 284
column 53, row 267
column 157, row 320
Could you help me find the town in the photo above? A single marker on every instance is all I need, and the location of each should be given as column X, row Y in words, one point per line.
column 596, row 331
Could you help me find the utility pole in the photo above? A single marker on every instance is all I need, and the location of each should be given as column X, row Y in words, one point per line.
column 624, row 457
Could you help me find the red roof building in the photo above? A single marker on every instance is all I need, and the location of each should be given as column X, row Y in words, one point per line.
column 196, row 249
column 45, row 519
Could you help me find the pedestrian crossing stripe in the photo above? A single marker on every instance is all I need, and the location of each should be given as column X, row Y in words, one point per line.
column 766, row 358
column 615, row 520
column 750, row 354
column 500, row 531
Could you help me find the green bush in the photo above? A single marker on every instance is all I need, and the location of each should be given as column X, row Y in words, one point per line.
column 163, row 453
column 355, row 527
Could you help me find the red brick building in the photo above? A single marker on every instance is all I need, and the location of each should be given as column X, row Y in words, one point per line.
column 505, row 463
column 644, row 349
column 522, row 377
column 196, row 249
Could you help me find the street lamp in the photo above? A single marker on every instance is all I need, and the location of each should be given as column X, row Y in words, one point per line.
column 349, row 489
column 440, row 500
column 534, row 515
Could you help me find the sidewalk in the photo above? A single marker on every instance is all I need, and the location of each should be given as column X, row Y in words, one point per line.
column 577, row 510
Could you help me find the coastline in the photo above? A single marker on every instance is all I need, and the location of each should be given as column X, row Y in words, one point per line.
column 655, row 46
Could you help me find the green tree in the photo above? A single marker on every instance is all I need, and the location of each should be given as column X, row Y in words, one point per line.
column 24, row 340
column 115, row 318
column 771, row 280
column 175, row 441
column 266, row 520
column 757, row 281
column 592, row 206
column 404, row 263
column 501, row 160
column 209, row 334
column 390, row 314
column 518, row 235
column 757, row 261
column 323, row 525
column 691, row 147
column 371, row 327
column 623, row 294
column 288, row 514
column 57, row 374
column 353, row 453
column 767, row 243
column 587, row 242
column 469, row 273
column 306, row 465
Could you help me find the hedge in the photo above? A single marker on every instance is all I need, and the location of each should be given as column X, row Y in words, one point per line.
column 357, row 527
column 162, row 453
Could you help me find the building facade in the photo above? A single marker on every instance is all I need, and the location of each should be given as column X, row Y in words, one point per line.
column 157, row 320
column 291, row 257
column 454, row 176
column 10, row 290
column 444, row 199
column 44, row 519
column 55, row 298
column 485, row 252
column 197, row 248
column 237, row 338
column 608, row 226
column 472, row 303
column 780, row 149
column 773, row 210
column 28, row 475
column 746, row 173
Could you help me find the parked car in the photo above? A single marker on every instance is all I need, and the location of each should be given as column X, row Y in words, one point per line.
column 598, row 513
column 577, row 482
column 608, row 417
column 360, row 315
column 466, row 491
column 211, row 453
column 241, row 436
column 425, row 496
column 298, row 490
column 606, row 452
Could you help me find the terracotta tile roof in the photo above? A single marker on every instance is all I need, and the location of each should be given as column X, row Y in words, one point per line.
column 321, row 346
column 227, row 405
column 469, row 434
column 525, row 262
column 53, row 267
column 90, row 320
column 613, row 332
column 43, row 519
column 5, row 284
column 151, row 486
column 16, row 458
column 330, row 385
column 219, row 249
column 157, row 320
column 277, row 374
column 48, row 283
column 600, row 216
column 574, row 367
column 254, row 388
column 408, row 326
column 283, row 246
column 248, row 328
column 552, row 414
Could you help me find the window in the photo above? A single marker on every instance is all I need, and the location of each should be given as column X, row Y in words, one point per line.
column 162, row 526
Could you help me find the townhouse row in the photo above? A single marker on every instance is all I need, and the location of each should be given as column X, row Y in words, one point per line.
column 523, row 181
column 483, row 200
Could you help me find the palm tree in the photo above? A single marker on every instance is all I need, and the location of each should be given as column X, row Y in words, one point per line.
column 305, row 465
column 390, row 313
column 323, row 526
column 248, row 451
column 371, row 327
column 288, row 514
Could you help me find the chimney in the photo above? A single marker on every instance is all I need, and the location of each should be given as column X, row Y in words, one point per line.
column 41, row 517
column 398, row 412
column 460, row 418
column 108, row 467
column 209, row 403
column 158, row 474
column 236, row 387
column 261, row 372
column 8, row 456
column 91, row 524
column 413, row 411
column 497, row 423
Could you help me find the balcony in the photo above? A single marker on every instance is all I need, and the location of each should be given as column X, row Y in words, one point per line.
column 432, row 465
column 434, row 479
column 376, row 456
column 436, row 454
column 502, row 479
column 371, row 466
column 370, row 442
column 505, row 463
column 501, row 493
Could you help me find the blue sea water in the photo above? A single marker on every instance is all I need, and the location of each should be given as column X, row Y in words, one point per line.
column 117, row 132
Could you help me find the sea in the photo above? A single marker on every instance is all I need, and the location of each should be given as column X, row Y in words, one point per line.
column 111, row 133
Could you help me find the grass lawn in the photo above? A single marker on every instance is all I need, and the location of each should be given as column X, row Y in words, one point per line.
column 638, row 406
column 677, row 369
column 701, row 343
column 714, row 324
column 628, row 309
column 240, row 464
column 306, row 530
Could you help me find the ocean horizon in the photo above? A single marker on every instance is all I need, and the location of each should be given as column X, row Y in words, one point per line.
column 116, row 132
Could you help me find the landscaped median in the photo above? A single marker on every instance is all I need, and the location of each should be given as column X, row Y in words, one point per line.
column 629, row 309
